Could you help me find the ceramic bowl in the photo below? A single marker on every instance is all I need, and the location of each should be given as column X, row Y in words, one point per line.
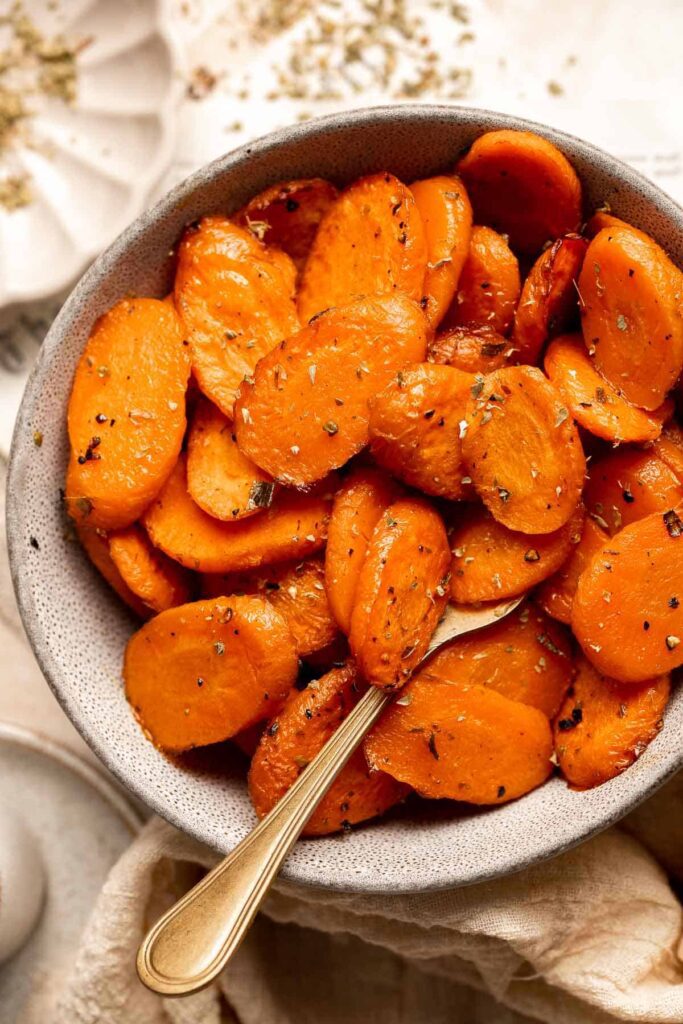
column 78, row 628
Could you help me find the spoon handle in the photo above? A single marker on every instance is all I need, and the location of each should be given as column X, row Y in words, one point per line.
column 194, row 940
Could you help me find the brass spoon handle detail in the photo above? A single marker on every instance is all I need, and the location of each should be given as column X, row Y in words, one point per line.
column 194, row 940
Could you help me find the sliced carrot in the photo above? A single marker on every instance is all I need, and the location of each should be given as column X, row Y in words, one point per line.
column 203, row 672
column 159, row 582
column 96, row 546
column 287, row 215
column 447, row 218
column 489, row 284
column 401, row 592
column 223, row 481
column 628, row 485
column 295, row 589
column 370, row 242
column 292, row 740
column 358, row 505
column 549, row 301
column 603, row 219
column 556, row 595
column 631, row 307
column 305, row 411
column 628, row 607
column 669, row 447
column 604, row 726
column 491, row 562
column 236, row 299
column 523, row 451
column 415, row 428
column 594, row 403
column 294, row 526
column 526, row 657
column 126, row 413
column 461, row 741
column 522, row 185
column 471, row 348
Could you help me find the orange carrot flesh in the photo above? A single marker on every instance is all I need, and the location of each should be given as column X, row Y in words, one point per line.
column 203, row 672
column 370, row 242
column 523, row 451
column 236, row 300
column 628, row 608
column 401, row 592
column 96, row 545
column 603, row 219
column 625, row 486
column 489, row 284
column 471, row 349
column 156, row 580
column 305, row 411
column 126, row 413
column 669, row 447
column 556, row 595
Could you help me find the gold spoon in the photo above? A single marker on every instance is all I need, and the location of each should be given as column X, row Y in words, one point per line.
column 195, row 939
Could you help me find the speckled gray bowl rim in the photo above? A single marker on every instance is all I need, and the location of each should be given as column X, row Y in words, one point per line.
column 621, row 794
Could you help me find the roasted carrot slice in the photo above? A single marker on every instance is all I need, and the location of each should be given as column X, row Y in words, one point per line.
column 522, row 450
column 491, row 562
column 370, row 242
column 471, row 348
column 126, row 413
column 632, row 324
column 295, row 736
column 401, row 592
column 489, row 284
column 526, row 657
column 604, row 726
column 556, row 595
column 293, row 526
column 628, row 485
column 305, row 411
column 594, row 403
column 203, row 672
column 447, row 218
column 603, row 219
column 295, row 589
column 628, row 607
column 522, row 185
column 415, row 428
column 669, row 447
column 287, row 215
column 236, row 300
column 159, row 582
column 223, row 481
column 96, row 546
column 461, row 741
column 549, row 301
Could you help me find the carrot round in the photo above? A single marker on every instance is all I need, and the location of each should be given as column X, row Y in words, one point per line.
column 159, row 582
column 522, row 185
column 370, row 242
column 604, row 726
column 526, row 657
column 305, row 410
column 415, row 428
column 628, row 485
column 295, row 589
column 489, row 284
column 236, row 300
column 203, row 672
column 549, row 301
column 491, row 562
column 628, row 608
column 364, row 496
column 522, row 450
column 223, row 481
column 631, row 306
column 447, row 219
column 556, row 594
column 401, row 592
column 461, row 741
column 470, row 348
column 594, row 403
column 96, row 545
column 669, row 447
column 287, row 215
column 297, row 734
column 126, row 413
column 293, row 526
column 603, row 219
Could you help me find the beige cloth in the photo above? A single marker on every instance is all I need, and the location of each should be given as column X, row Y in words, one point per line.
column 590, row 937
